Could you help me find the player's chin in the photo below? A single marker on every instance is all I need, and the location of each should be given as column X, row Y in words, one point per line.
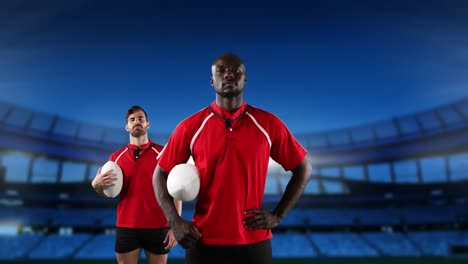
column 228, row 93
column 138, row 132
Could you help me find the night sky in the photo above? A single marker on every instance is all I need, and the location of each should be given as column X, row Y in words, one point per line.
column 318, row 65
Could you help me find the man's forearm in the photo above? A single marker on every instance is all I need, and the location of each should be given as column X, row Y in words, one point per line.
column 98, row 190
column 166, row 202
column 178, row 206
column 301, row 176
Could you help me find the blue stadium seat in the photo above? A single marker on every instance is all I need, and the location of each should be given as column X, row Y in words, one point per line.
column 57, row 246
column 285, row 245
column 17, row 246
column 339, row 244
column 99, row 247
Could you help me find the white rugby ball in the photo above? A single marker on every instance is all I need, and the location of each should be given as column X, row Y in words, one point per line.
column 183, row 182
column 113, row 191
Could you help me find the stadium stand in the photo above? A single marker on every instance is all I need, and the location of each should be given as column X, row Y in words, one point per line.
column 101, row 246
column 397, row 187
column 342, row 244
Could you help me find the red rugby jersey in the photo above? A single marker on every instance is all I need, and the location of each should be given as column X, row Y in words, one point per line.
column 232, row 157
column 137, row 207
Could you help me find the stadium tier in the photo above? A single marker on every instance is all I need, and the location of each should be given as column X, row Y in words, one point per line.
column 398, row 187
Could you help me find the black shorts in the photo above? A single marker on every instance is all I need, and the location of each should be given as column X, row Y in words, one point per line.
column 129, row 239
column 258, row 253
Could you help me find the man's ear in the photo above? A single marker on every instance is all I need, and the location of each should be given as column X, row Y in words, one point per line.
column 211, row 81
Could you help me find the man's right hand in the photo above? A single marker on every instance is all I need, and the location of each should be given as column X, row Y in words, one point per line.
column 102, row 181
column 186, row 233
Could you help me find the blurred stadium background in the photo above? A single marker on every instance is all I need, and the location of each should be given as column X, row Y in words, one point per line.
column 393, row 191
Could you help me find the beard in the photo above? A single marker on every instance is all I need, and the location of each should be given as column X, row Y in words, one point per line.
column 138, row 132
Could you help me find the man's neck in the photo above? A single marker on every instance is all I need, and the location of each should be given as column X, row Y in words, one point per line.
column 139, row 141
column 230, row 104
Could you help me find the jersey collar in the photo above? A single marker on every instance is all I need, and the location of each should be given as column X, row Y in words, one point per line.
column 226, row 114
column 144, row 146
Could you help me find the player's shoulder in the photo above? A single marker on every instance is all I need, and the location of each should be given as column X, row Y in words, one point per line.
column 262, row 114
column 157, row 146
column 195, row 119
column 117, row 153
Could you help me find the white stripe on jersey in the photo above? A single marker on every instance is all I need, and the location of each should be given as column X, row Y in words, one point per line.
column 259, row 127
column 198, row 131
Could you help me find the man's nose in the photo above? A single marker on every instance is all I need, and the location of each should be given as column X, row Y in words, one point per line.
column 229, row 74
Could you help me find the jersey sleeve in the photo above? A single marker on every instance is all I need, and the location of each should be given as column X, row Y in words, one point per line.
column 285, row 149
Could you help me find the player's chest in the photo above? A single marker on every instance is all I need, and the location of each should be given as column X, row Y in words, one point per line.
column 143, row 165
column 243, row 137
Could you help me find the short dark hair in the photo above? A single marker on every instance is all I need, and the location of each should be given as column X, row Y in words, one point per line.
column 133, row 109
column 229, row 54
